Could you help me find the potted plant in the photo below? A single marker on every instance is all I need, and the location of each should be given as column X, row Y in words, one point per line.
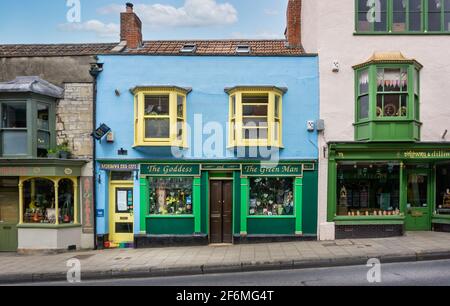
column 64, row 150
column 52, row 153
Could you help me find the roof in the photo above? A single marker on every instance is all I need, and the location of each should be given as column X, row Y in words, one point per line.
column 159, row 47
column 387, row 58
column 32, row 84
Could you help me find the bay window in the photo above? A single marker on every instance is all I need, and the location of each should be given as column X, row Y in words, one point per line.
column 160, row 116
column 255, row 116
column 387, row 99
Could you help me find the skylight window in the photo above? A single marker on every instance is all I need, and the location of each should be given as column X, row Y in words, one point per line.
column 189, row 48
column 243, row 49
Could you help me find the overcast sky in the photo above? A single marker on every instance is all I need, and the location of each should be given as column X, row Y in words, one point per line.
column 59, row 21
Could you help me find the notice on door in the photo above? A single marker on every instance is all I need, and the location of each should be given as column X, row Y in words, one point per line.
column 122, row 201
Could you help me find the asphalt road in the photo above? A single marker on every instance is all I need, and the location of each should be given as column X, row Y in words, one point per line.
column 428, row 273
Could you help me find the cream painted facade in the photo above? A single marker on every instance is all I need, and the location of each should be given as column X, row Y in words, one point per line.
column 328, row 29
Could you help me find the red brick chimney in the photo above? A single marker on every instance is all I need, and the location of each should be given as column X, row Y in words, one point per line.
column 293, row 27
column 130, row 28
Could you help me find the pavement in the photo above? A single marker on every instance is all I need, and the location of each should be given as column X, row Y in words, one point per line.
column 196, row 260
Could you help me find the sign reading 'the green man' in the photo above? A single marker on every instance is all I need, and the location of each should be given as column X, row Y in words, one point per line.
column 170, row 169
column 272, row 170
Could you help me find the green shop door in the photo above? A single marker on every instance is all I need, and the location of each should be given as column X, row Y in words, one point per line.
column 9, row 214
column 418, row 217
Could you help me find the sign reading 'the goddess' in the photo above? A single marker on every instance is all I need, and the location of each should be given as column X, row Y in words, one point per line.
column 170, row 169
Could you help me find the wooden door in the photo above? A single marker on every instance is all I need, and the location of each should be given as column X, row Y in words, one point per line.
column 121, row 217
column 221, row 212
column 9, row 217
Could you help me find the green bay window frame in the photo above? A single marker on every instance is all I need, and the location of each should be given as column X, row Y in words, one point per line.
column 401, row 116
column 33, row 128
column 442, row 10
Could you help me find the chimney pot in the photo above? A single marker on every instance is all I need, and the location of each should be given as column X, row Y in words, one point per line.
column 129, row 7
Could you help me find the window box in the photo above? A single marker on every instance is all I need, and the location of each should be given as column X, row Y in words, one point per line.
column 160, row 116
column 387, row 99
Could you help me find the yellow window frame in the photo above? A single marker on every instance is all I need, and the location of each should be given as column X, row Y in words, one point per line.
column 141, row 117
column 274, row 135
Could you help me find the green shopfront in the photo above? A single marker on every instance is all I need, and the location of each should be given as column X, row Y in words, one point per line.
column 216, row 202
column 385, row 189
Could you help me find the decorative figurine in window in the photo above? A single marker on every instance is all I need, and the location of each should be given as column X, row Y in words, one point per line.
column 446, row 200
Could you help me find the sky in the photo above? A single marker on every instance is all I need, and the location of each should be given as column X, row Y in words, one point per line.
column 78, row 21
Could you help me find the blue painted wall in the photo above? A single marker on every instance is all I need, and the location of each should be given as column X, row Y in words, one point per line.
column 208, row 76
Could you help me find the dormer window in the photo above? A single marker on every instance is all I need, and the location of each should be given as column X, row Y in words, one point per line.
column 243, row 49
column 387, row 99
column 189, row 48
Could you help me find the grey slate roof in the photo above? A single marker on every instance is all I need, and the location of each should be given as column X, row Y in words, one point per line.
column 32, row 84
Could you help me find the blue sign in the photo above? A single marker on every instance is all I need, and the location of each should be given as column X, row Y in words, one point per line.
column 100, row 213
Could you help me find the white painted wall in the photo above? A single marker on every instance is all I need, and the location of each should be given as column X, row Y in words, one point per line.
column 48, row 239
column 327, row 29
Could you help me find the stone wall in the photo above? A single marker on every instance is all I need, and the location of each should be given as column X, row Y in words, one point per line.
column 74, row 122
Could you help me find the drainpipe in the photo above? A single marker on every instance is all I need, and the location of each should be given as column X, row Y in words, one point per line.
column 95, row 70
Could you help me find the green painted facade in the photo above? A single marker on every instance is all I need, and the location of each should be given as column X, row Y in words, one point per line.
column 429, row 155
column 304, row 220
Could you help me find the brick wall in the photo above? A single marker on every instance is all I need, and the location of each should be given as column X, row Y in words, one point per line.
column 293, row 27
column 74, row 119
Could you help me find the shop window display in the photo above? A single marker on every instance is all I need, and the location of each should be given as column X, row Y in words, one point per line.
column 271, row 197
column 443, row 189
column 39, row 201
column 171, row 196
column 368, row 190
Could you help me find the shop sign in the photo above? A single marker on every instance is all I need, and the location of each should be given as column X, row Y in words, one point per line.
column 221, row 167
column 272, row 170
column 170, row 169
column 38, row 171
column 119, row 167
column 428, row 154
column 87, row 204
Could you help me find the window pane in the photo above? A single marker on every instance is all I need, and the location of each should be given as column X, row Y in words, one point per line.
column 157, row 105
column 415, row 15
column 39, row 201
column 392, row 79
column 434, row 15
column 399, row 16
column 276, row 130
column 277, row 106
column 380, row 99
column 180, row 126
column 157, row 128
column 254, row 110
column 255, row 133
column 43, row 140
column 416, row 81
column 364, row 82
column 170, row 196
column 394, row 105
column 443, row 189
column 42, row 117
column 66, row 201
column 124, row 200
column 260, row 99
column 447, row 16
column 15, row 142
column 122, row 176
column 180, row 106
column 255, row 122
column 233, row 106
column 417, row 108
column 14, row 115
column 373, row 17
column 271, row 197
column 417, row 190
column 364, row 107
column 233, row 130
column 368, row 189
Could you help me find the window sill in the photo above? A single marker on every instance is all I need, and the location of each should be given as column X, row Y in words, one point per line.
column 346, row 220
column 169, row 216
column 160, row 144
column 270, row 217
column 49, row 226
